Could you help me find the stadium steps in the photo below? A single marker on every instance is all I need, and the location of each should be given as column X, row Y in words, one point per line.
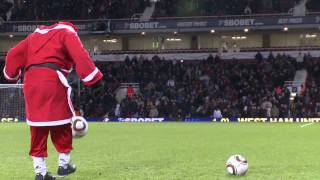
column 148, row 12
column 297, row 86
column 122, row 90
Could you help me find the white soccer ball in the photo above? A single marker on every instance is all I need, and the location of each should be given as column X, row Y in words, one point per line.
column 237, row 165
column 79, row 127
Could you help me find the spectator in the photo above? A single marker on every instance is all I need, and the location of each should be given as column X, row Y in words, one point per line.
column 130, row 91
column 274, row 111
column 217, row 113
column 171, row 82
column 117, row 111
column 267, row 106
column 153, row 111
column 299, row 61
column 259, row 56
column 247, row 10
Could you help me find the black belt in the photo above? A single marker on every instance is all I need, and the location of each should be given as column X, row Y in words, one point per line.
column 46, row 65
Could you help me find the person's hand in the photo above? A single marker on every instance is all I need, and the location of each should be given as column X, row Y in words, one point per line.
column 98, row 87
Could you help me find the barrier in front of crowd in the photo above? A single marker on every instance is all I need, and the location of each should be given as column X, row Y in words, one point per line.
column 188, row 120
column 209, row 119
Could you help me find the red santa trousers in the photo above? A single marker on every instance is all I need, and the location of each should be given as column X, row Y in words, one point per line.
column 61, row 137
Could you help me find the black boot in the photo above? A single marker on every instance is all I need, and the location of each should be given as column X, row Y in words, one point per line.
column 48, row 176
column 71, row 168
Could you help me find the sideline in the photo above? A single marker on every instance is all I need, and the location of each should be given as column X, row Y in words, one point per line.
column 307, row 124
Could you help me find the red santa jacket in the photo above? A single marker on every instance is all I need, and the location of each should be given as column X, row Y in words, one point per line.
column 58, row 44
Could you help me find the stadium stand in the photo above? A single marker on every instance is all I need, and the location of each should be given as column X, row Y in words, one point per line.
column 70, row 9
column 250, row 89
column 195, row 89
column 217, row 61
column 178, row 8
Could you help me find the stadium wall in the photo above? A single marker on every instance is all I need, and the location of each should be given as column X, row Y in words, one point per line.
column 170, row 41
column 7, row 42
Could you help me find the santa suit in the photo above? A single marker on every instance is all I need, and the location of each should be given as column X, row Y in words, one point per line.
column 46, row 97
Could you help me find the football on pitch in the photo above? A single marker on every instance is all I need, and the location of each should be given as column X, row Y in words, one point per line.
column 79, row 127
column 237, row 165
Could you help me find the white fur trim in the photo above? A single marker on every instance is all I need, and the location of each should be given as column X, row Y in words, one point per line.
column 66, row 70
column 64, row 81
column 91, row 75
column 49, row 123
column 10, row 78
column 60, row 26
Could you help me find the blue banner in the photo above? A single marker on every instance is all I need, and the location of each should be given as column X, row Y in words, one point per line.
column 255, row 120
column 28, row 27
column 214, row 22
column 221, row 120
column 181, row 24
column 207, row 119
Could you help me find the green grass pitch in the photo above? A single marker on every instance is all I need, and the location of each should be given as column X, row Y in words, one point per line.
column 174, row 151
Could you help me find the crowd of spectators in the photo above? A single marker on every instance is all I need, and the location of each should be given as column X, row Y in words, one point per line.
column 169, row 8
column 34, row 10
column 308, row 105
column 81, row 9
column 202, row 88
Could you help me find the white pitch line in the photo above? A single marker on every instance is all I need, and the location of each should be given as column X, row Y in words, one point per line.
column 307, row 124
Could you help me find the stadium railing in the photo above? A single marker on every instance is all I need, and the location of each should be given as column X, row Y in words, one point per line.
column 274, row 50
column 211, row 50
column 203, row 50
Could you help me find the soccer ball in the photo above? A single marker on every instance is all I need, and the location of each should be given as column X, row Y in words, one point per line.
column 79, row 127
column 237, row 165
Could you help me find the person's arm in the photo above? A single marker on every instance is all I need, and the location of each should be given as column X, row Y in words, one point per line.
column 85, row 68
column 15, row 60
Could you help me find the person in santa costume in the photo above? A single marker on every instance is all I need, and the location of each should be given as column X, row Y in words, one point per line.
column 48, row 55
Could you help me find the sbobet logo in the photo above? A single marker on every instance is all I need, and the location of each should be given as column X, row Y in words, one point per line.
column 140, row 119
column 9, row 120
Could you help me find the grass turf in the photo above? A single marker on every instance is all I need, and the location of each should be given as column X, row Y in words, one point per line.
column 174, row 151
